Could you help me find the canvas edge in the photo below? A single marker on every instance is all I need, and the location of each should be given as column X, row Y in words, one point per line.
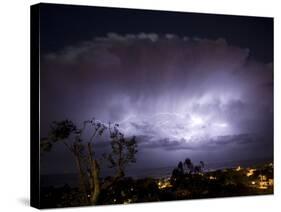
column 34, row 106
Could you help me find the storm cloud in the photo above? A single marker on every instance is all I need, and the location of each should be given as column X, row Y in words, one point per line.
column 172, row 92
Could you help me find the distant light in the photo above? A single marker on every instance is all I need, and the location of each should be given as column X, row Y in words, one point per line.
column 263, row 187
column 250, row 172
column 128, row 201
column 164, row 183
column 238, row 168
column 262, row 177
column 270, row 164
column 270, row 182
column 212, row 178
column 263, row 184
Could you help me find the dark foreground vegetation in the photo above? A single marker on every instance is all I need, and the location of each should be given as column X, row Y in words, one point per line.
column 180, row 186
column 187, row 180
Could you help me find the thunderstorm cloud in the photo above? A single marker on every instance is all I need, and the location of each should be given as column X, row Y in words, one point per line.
column 173, row 93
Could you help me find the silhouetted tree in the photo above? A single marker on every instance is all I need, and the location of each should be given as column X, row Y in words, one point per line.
column 68, row 133
column 177, row 174
column 61, row 132
column 189, row 165
column 180, row 167
column 197, row 169
column 179, row 177
column 202, row 164
column 94, row 168
column 123, row 150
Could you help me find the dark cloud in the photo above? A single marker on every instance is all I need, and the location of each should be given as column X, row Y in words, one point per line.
column 215, row 143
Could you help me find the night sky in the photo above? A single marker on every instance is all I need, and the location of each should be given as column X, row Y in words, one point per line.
column 185, row 84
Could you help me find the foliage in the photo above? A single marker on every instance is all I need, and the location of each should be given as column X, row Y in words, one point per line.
column 123, row 150
column 79, row 141
column 185, row 171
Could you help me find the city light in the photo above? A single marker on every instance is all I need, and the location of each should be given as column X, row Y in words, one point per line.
column 250, row 172
column 164, row 183
column 212, row 178
column 238, row 168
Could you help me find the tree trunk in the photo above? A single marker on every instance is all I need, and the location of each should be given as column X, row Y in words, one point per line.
column 94, row 177
column 81, row 176
column 120, row 172
column 120, row 169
